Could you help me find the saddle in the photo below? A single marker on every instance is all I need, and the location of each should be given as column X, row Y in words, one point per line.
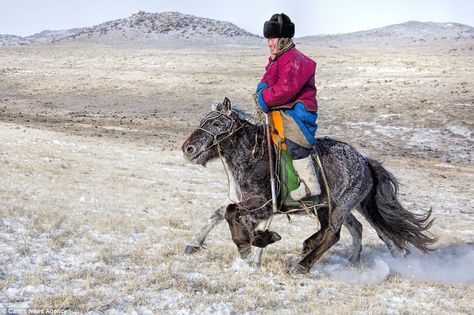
column 285, row 171
column 289, row 181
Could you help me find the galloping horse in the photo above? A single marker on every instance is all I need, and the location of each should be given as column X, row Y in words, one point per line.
column 355, row 182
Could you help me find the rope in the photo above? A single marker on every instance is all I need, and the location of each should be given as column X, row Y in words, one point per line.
column 230, row 131
column 216, row 142
column 328, row 191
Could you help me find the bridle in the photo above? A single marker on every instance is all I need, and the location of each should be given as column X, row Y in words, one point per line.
column 228, row 132
column 216, row 143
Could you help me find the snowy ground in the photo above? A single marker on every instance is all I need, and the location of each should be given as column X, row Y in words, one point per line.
column 94, row 225
column 97, row 203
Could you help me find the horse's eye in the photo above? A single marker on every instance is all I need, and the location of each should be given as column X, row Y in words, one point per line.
column 217, row 123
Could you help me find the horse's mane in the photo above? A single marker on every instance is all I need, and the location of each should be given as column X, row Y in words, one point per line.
column 240, row 111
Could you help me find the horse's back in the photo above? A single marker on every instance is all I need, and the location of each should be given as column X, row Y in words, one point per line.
column 344, row 166
column 329, row 148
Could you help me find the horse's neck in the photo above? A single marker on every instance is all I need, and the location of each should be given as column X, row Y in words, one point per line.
column 243, row 149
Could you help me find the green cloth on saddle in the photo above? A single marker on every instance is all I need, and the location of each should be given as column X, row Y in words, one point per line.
column 289, row 179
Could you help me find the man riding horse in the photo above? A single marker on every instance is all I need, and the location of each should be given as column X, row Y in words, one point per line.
column 287, row 92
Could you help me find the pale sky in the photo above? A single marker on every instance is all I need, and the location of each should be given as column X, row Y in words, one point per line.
column 26, row 17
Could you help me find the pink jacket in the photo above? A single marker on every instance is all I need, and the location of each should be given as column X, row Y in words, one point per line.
column 290, row 78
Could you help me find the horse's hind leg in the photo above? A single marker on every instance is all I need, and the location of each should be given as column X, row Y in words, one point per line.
column 198, row 238
column 318, row 243
column 355, row 228
column 394, row 249
column 330, row 231
column 314, row 240
column 328, row 238
column 350, row 222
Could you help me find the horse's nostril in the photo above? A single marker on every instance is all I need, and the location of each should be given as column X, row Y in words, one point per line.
column 190, row 149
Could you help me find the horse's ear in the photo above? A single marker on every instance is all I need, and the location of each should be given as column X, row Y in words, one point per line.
column 226, row 106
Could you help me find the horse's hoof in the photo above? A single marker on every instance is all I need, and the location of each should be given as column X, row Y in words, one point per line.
column 298, row 270
column 190, row 249
column 264, row 238
column 355, row 260
column 244, row 252
column 252, row 263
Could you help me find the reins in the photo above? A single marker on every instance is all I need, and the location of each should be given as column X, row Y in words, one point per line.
column 230, row 131
column 216, row 143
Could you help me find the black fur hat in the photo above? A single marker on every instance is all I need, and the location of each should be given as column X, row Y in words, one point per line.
column 279, row 26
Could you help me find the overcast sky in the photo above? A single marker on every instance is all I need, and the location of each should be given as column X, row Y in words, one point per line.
column 26, row 17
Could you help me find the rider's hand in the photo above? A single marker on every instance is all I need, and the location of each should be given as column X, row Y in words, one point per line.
column 260, row 102
column 261, row 86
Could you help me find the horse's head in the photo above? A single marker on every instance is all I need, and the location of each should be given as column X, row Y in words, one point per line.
column 217, row 126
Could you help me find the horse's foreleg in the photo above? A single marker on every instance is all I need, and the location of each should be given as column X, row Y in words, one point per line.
column 263, row 237
column 240, row 230
column 198, row 238
column 249, row 229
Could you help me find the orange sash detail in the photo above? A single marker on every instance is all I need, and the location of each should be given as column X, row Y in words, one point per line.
column 278, row 136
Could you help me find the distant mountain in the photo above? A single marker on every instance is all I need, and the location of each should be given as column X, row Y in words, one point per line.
column 51, row 36
column 8, row 40
column 415, row 29
column 411, row 31
column 145, row 28
column 175, row 27
column 42, row 37
column 151, row 27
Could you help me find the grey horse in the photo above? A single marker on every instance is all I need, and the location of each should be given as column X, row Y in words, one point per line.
column 354, row 181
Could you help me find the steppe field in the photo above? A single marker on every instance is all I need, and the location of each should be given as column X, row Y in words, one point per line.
column 97, row 202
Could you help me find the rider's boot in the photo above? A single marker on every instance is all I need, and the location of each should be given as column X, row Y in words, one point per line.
column 309, row 184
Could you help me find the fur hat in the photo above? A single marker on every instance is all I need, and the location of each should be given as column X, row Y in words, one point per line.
column 279, row 26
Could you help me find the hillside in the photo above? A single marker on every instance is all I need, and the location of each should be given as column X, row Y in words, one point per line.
column 151, row 27
column 51, row 36
column 175, row 27
column 411, row 31
column 145, row 27
column 7, row 40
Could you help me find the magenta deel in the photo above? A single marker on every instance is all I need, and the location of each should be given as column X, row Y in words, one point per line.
column 291, row 79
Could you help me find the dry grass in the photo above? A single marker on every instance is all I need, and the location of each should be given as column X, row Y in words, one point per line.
column 96, row 209
column 91, row 255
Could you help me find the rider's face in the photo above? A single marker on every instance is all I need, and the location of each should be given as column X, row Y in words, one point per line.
column 273, row 45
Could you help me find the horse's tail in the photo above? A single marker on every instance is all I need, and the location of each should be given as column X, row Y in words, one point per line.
column 386, row 212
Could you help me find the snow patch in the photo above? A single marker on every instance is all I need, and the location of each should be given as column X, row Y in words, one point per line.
column 423, row 141
column 449, row 264
column 376, row 271
column 241, row 265
column 461, row 130
column 444, row 165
